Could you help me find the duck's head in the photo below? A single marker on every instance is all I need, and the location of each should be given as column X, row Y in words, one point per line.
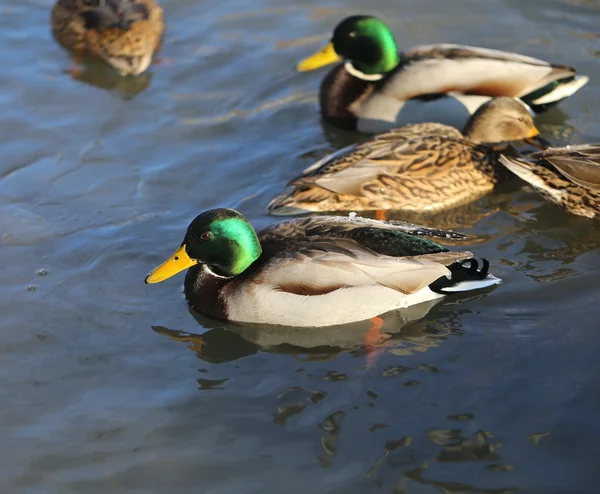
column 108, row 14
column 222, row 239
column 501, row 120
column 365, row 42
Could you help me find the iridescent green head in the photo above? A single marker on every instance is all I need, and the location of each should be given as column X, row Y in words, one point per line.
column 223, row 239
column 365, row 41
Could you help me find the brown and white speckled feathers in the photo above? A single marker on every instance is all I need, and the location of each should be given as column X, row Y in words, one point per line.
column 568, row 177
column 398, row 170
column 421, row 168
column 124, row 33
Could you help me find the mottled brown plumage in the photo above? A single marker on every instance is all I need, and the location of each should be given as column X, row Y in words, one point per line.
column 124, row 33
column 568, row 177
column 424, row 167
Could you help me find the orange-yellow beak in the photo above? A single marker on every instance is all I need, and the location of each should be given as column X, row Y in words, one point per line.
column 323, row 57
column 534, row 132
column 536, row 140
column 176, row 263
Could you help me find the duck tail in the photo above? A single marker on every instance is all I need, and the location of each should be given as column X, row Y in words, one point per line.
column 465, row 276
column 549, row 95
column 523, row 168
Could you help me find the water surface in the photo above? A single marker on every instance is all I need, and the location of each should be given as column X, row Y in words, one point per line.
column 109, row 385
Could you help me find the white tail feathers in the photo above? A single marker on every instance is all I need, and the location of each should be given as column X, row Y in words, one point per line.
column 466, row 286
column 562, row 91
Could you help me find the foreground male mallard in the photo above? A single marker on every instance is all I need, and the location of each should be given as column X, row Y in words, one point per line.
column 422, row 167
column 315, row 271
column 377, row 88
column 568, row 177
column 124, row 33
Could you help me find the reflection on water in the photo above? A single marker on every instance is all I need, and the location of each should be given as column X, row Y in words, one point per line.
column 326, row 403
column 100, row 77
column 228, row 341
column 231, row 342
column 99, row 178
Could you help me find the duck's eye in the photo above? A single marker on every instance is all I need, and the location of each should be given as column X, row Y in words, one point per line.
column 521, row 119
column 352, row 34
column 204, row 236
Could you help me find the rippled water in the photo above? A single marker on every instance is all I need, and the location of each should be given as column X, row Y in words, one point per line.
column 109, row 385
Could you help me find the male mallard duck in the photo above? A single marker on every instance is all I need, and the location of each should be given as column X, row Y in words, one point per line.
column 568, row 177
column 124, row 33
column 377, row 88
column 315, row 271
column 422, row 167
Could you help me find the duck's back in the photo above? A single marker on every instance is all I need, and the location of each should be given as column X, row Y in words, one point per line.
column 447, row 83
column 424, row 167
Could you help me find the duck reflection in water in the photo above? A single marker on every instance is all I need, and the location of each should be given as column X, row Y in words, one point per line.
column 402, row 333
column 94, row 73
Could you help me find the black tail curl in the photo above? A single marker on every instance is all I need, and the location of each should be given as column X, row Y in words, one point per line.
column 466, row 270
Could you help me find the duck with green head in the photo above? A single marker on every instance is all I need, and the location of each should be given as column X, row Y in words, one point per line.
column 316, row 271
column 377, row 87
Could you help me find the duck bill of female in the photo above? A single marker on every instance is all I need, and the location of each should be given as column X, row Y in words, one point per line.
column 537, row 141
column 325, row 56
column 175, row 264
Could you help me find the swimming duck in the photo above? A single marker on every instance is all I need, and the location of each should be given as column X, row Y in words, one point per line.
column 315, row 271
column 421, row 167
column 377, row 88
column 568, row 177
column 124, row 33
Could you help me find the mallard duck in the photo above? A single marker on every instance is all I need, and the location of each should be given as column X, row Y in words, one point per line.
column 316, row 271
column 124, row 33
column 568, row 177
column 377, row 88
column 421, row 167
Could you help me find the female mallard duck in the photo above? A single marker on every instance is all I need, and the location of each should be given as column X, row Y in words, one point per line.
column 568, row 177
column 124, row 33
column 422, row 167
column 315, row 271
column 377, row 88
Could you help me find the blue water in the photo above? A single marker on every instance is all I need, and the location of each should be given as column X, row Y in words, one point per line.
column 110, row 385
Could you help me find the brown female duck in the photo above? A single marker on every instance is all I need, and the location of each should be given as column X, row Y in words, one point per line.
column 423, row 167
column 124, row 33
column 568, row 177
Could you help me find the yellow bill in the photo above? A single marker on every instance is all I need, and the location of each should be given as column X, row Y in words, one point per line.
column 323, row 57
column 536, row 140
column 176, row 263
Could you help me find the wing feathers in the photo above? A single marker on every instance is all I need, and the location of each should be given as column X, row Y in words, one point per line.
column 470, row 70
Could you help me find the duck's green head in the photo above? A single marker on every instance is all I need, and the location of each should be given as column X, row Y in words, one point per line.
column 223, row 239
column 365, row 41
